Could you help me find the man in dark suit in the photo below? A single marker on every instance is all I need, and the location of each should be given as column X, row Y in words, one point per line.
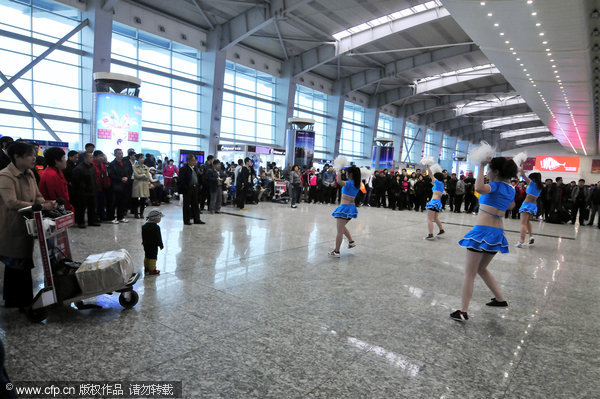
column 5, row 141
column 120, row 171
column 189, row 186
column 243, row 183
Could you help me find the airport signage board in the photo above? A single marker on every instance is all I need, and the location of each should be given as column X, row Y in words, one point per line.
column 557, row 164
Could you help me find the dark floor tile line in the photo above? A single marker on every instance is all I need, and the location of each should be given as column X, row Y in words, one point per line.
column 242, row 216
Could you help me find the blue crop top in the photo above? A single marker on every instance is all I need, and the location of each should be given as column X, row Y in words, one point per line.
column 438, row 186
column 349, row 189
column 533, row 189
column 501, row 196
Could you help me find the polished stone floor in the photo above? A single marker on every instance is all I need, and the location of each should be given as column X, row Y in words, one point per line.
column 249, row 305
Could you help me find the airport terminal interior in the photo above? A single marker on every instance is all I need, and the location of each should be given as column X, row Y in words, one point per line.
column 280, row 121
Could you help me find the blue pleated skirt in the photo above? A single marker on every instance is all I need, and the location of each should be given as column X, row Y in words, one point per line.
column 345, row 211
column 434, row 205
column 485, row 238
column 528, row 207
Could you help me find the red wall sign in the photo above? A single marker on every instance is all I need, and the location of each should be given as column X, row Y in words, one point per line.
column 557, row 164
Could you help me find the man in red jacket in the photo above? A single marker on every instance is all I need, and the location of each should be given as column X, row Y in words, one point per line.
column 53, row 184
column 102, row 185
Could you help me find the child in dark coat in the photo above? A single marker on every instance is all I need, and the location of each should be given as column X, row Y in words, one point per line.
column 151, row 240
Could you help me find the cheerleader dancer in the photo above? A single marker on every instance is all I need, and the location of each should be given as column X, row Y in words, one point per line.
column 529, row 207
column 347, row 209
column 434, row 206
column 487, row 236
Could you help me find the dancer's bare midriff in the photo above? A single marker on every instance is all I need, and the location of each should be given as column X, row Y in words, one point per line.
column 490, row 216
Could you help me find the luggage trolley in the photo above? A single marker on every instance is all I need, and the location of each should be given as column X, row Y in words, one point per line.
column 280, row 191
column 55, row 248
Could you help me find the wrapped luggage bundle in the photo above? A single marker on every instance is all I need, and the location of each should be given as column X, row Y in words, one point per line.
column 105, row 272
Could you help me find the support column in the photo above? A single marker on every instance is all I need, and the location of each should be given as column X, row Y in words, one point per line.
column 213, row 61
column 398, row 126
column 335, row 109
column 371, row 119
column 96, row 41
column 421, row 132
column 285, row 95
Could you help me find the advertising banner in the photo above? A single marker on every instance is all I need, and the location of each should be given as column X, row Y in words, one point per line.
column 557, row 164
column 386, row 157
column 304, row 148
column 595, row 165
column 118, row 122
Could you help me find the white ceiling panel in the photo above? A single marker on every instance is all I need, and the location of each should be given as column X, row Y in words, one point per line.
column 542, row 49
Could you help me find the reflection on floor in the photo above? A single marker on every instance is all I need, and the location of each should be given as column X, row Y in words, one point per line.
column 254, row 308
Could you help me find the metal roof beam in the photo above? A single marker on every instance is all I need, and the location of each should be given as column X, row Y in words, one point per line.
column 394, row 95
column 255, row 19
column 447, row 114
column 445, row 100
column 315, row 57
column 467, row 120
column 393, row 69
column 471, row 131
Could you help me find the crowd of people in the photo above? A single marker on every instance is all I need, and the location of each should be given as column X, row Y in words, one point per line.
column 97, row 190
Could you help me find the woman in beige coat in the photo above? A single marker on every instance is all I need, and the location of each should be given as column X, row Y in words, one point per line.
column 18, row 189
column 141, row 186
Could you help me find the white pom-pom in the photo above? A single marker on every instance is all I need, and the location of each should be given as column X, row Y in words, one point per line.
column 340, row 162
column 482, row 153
column 365, row 173
column 427, row 161
column 435, row 168
column 519, row 159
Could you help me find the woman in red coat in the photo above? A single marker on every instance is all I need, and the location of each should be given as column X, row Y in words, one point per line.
column 53, row 184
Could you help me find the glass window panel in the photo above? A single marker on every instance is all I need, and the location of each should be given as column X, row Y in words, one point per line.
column 193, row 141
column 61, row 126
column 56, row 96
column 148, row 77
column 154, row 55
column 156, row 94
column 124, row 70
column 227, row 125
column 245, row 101
column 264, row 105
column 184, row 64
column 245, row 83
column 228, row 109
column 264, row 132
column 13, row 63
column 183, row 99
column 152, row 136
column 163, row 148
column 156, row 113
column 263, row 116
column 72, row 113
column 185, row 86
column 15, row 120
column 57, row 73
column 245, row 128
column 124, row 46
column 53, row 25
column 16, row 14
column 15, row 45
column 57, row 55
column 245, row 113
column 184, row 117
column 23, row 86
